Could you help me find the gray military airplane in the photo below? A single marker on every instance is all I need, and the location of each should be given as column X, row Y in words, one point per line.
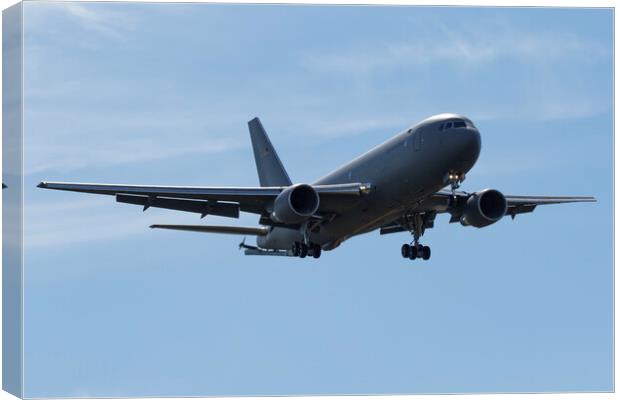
column 394, row 187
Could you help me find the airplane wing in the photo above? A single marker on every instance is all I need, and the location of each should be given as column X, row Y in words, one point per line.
column 525, row 204
column 441, row 202
column 222, row 201
column 516, row 204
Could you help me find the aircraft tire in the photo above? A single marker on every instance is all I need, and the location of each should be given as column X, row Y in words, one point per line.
column 304, row 251
column 426, row 253
column 404, row 250
column 413, row 252
column 316, row 251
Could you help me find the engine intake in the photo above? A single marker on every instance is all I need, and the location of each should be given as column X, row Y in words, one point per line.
column 295, row 204
column 484, row 208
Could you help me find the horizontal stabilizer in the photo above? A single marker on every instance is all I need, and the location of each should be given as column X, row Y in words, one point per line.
column 235, row 230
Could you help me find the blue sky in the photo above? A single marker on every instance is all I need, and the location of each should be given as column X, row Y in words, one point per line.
column 161, row 93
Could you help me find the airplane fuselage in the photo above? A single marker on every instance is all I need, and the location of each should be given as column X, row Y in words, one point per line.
column 402, row 172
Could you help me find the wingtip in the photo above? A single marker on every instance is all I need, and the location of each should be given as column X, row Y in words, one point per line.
column 42, row 185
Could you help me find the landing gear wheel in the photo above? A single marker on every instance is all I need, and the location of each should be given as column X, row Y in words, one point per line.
column 426, row 253
column 303, row 251
column 413, row 252
column 405, row 250
column 316, row 251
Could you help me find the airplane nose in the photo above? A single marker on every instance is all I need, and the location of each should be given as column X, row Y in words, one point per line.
column 473, row 143
column 466, row 145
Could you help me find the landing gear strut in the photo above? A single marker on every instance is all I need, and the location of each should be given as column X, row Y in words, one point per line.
column 416, row 250
column 455, row 179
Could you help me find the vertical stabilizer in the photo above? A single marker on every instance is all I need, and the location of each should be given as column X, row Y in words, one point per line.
column 271, row 172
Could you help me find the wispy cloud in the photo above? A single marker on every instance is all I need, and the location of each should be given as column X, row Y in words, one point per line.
column 91, row 130
column 104, row 134
column 95, row 218
column 105, row 23
column 347, row 88
column 90, row 17
column 73, row 222
column 537, row 65
column 45, row 156
column 455, row 43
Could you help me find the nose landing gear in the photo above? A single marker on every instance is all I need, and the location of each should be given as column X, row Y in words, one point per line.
column 454, row 179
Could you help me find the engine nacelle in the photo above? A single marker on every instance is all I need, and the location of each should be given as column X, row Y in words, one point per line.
column 484, row 208
column 295, row 204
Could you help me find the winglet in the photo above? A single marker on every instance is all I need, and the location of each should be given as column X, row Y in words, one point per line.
column 271, row 172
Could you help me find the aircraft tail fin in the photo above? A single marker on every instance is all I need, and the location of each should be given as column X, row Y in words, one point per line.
column 271, row 172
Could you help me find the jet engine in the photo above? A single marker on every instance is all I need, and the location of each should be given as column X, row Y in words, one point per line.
column 295, row 204
column 484, row 208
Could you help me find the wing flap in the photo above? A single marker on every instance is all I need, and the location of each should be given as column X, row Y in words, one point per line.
column 202, row 207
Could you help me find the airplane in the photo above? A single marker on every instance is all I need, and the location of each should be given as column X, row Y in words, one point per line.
column 397, row 186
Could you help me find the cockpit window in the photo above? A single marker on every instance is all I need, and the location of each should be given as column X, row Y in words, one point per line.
column 459, row 123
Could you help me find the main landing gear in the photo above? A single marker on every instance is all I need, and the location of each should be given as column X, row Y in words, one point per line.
column 306, row 248
column 303, row 250
column 416, row 250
